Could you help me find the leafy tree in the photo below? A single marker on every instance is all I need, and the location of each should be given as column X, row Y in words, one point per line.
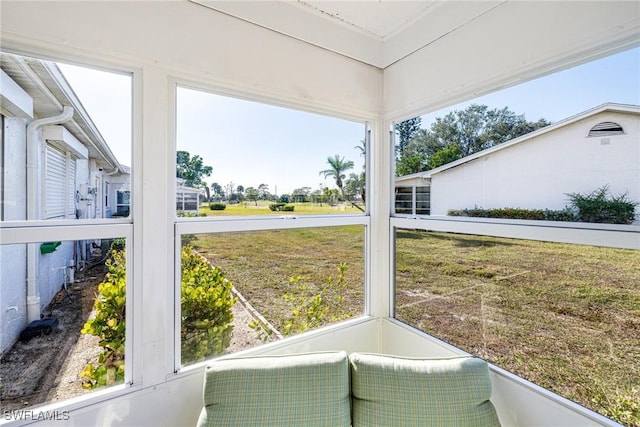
column 363, row 149
column 406, row 130
column 284, row 198
column 191, row 169
column 355, row 184
column 408, row 164
column 446, row 155
column 337, row 168
column 251, row 194
column 218, row 191
column 301, row 194
column 473, row 129
column 263, row 192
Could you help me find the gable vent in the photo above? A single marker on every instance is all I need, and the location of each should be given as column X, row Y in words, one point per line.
column 605, row 129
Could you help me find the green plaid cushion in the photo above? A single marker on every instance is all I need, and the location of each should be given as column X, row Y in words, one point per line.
column 400, row 392
column 279, row 391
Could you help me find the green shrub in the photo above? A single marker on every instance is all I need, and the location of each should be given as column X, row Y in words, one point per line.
column 598, row 207
column 517, row 213
column 206, row 315
column 119, row 244
column 288, row 208
column 206, row 299
column 620, row 405
column 310, row 309
column 217, row 206
column 276, row 206
column 565, row 214
column 109, row 325
column 183, row 214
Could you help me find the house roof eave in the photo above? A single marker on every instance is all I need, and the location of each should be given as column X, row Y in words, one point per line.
column 609, row 106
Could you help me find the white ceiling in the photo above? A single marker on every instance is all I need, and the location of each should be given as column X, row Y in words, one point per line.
column 380, row 19
column 377, row 32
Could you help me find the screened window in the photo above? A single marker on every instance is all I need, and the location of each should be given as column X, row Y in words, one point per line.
column 123, row 202
column 522, row 276
column 253, row 290
column 560, row 315
column 53, row 324
column 258, row 159
column 284, row 252
column 404, row 200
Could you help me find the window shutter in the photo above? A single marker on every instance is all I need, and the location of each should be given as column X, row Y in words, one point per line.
column 55, row 183
column 71, row 184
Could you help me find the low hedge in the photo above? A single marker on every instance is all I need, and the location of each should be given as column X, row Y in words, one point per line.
column 517, row 213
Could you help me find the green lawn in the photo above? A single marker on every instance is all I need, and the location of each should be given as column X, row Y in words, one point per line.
column 262, row 208
column 261, row 263
column 566, row 317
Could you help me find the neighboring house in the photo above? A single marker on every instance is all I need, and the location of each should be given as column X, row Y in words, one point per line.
column 187, row 198
column 580, row 154
column 55, row 166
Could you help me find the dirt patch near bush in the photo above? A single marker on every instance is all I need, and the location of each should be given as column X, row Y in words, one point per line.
column 40, row 370
column 47, row 368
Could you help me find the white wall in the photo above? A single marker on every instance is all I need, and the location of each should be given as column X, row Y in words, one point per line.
column 13, row 267
column 540, row 172
column 14, row 174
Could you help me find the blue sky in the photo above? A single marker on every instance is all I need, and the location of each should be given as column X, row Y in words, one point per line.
column 249, row 143
column 569, row 92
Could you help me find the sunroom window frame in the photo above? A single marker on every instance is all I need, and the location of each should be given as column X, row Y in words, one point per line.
column 31, row 232
column 230, row 224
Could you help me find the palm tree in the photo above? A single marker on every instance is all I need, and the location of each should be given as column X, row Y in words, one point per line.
column 338, row 167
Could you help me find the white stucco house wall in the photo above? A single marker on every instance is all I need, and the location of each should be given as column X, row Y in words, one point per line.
column 579, row 154
column 55, row 166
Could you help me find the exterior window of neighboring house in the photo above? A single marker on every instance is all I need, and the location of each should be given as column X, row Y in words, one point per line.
column 107, row 189
column 60, row 184
column 187, row 201
column 413, row 200
column 123, row 202
column 606, row 129
column 404, row 200
column 423, row 200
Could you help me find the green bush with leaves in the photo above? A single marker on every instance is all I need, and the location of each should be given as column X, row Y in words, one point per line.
column 516, row 213
column 207, row 319
column 310, row 309
column 217, row 206
column 597, row 206
column 206, row 300
column 109, row 323
column 622, row 404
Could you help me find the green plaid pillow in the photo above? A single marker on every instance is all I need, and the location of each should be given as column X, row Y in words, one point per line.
column 401, row 392
column 278, row 391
